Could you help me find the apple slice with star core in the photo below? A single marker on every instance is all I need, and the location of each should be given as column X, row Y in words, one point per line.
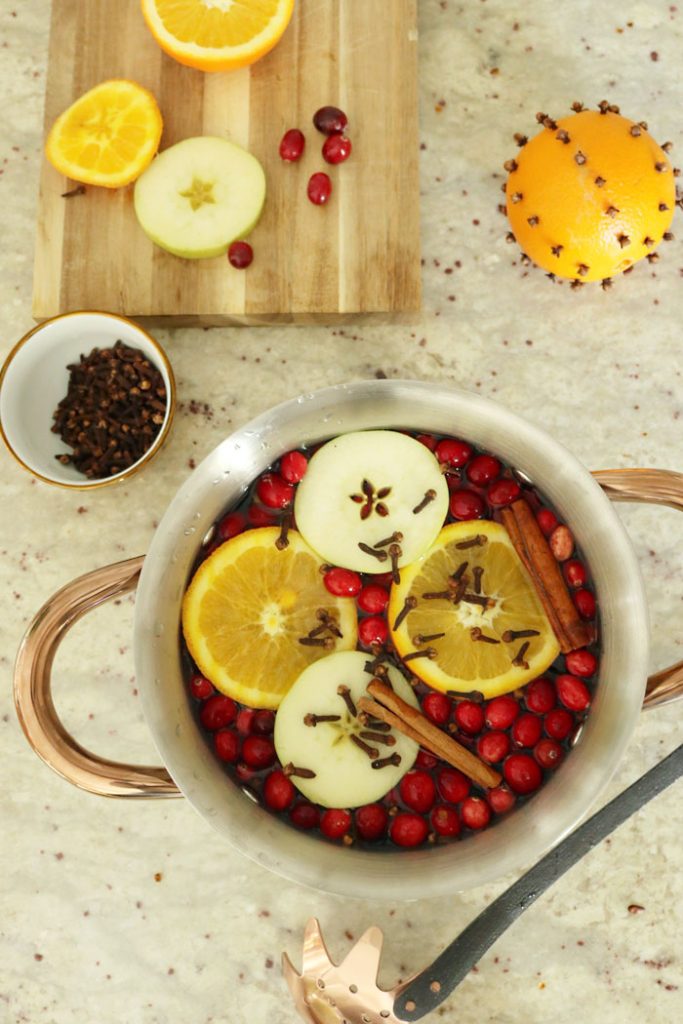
column 200, row 195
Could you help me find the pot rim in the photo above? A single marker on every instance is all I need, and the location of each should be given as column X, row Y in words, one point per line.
column 515, row 840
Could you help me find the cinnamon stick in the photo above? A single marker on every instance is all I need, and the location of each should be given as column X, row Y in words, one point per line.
column 534, row 551
column 412, row 723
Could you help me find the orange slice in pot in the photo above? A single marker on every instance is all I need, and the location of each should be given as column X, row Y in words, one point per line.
column 249, row 605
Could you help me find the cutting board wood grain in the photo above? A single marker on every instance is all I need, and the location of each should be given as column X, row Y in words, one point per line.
column 356, row 258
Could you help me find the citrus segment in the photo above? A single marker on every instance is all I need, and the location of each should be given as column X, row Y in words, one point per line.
column 473, row 598
column 590, row 195
column 108, row 136
column 247, row 608
column 217, row 35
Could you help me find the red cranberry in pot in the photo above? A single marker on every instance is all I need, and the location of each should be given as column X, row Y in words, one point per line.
column 293, row 466
column 273, row 491
column 444, row 820
column 540, row 695
column 475, row 812
column 418, row 791
column 575, row 573
column 371, row 821
column 501, row 799
column 585, row 603
column 581, row 663
column 258, row 751
column 522, row 773
column 335, row 822
column 527, row 729
column 226, row 743
column 501, row 712
column 408, row 829
column 558, row 723
column 217, row 712
column 231, row 525
column 561, row 543
column 503, row 492
column 493, row 746
column 547, row 520
column 373, row 599
column 469, row 716
column 200, row 687
column 452, row 452
column 453, row 785
column 466, row 504
column 342, row 582
column 372, row 630
column 437, row 706
column 548, row 753
column 482, row 470
column 573, row 692
column 278, row 791
column 304, row 815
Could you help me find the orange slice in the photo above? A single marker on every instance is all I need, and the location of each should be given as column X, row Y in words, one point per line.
column 590, row 195
column 247, row 608
column 469, row 638
column 217, row 35
column 108, row 136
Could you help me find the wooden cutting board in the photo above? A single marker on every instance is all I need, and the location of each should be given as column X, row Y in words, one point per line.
column 356, row 257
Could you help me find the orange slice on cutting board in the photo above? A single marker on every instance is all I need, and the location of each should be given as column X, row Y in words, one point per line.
column 108, row 136
column 217, row 35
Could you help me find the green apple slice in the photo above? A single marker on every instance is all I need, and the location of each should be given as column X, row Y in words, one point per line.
column 334, row 758
column 198, row 196
column 362, row 488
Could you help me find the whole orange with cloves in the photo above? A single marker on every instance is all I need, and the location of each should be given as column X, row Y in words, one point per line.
column 590, row 194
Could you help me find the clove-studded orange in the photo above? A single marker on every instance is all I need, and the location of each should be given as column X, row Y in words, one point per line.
column 590, row 194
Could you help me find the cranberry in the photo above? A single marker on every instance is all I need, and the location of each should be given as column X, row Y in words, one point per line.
column 217, row 712
column 527, row 730
column 426, row 760
column 501, row 712
column 547, row 520
column 371, row 821
column 469, row 716
column 466, row 504
column 573, row 692
column 293, row 466
column 501, row 799
column 428, row 440
column 372, row 630
column 581, row 663
column 231, row 525
column 437, row 706
column 342, row 582
column 373, row 599
column 245, row 717
column 226, row 743
column 200, row 687
column 540, row 695
column 475, row 812
column 273, row 491
column 503, row 492
column 493, row 746
column 522, row 773
column 418, row 791
column 278, row 791
column 548, row 753
column 558, row 723
column 258, row 751
column 329, row 120
column 453, row 453
column 258, row 515
column 292, row 145
column 482, row 469
column 244, row 772
column 585, row 603
column 453, row 785
column 319, row 188
column 445, row 820
column 575, row 573
column 335, row 822
column 561, row 543
column 263, row 722
column 304, row 815
column 408, row 829
column 336, row 148
column 240, row 255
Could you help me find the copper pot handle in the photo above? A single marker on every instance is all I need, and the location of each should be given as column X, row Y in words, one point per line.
column 658, row 487
column 33, row 698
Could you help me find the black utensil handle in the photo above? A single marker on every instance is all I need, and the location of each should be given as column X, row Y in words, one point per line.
column 437, row 981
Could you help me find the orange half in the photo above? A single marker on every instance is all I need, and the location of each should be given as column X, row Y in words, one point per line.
column 217, row 35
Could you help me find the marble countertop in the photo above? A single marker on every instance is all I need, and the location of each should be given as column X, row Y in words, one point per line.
column 136, row 911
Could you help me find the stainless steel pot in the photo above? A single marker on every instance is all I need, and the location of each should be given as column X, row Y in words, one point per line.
column 190, row 769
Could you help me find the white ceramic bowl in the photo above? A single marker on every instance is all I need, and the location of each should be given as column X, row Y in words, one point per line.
column 35, row 378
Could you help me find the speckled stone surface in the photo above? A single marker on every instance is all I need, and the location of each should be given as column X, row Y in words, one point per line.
column 129, row 911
